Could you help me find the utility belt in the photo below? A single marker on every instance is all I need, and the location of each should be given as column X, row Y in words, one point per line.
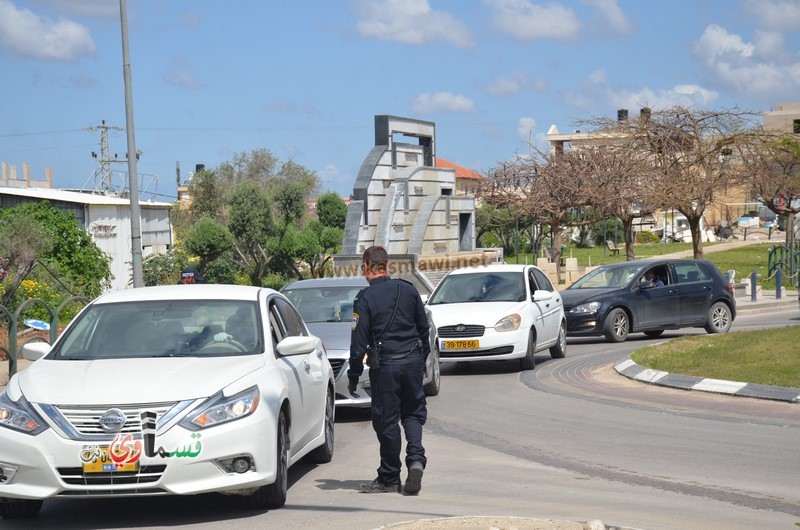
column 397, row 356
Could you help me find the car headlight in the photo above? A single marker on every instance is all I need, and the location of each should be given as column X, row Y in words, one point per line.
column 19, row 416
column 509, row 323
column 591, row 307
column 221, row 409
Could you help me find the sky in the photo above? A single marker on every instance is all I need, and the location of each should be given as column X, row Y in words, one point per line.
column 304, row 79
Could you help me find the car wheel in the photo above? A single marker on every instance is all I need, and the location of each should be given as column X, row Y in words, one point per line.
column 654, row 333
column 559, row 349
column 616, row 326
column 274, row 495
column 19, row 508
column 433, row 386
column 324, row 453
column 719, row 318
column 528, row 362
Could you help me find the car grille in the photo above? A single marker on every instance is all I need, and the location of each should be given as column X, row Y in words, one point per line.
column 502, row 350
column 450, row 332
column 336, row 365
column 74, row 476
column 86, row 419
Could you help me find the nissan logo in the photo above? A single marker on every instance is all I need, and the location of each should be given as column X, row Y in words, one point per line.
column 460, row 328
column 112, row 420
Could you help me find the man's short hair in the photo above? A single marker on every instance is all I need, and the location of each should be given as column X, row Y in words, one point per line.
column 377, row 258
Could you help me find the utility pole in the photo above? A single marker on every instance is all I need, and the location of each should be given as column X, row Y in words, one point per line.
column 104, row 158
column 136, row 228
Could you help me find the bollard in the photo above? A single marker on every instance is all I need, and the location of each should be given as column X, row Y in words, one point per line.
column 753, row 286
column 778, row 279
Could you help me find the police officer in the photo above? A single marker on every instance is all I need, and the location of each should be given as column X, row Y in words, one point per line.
column 390, row 327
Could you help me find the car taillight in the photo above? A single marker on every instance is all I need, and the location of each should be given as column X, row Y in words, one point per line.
column 730, row 287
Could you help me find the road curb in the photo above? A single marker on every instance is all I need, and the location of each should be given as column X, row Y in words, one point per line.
column 631, row 370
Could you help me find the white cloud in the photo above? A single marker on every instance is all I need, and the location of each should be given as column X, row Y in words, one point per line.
column 410, row 22
column 26, row 34
column 180, row 74
column 525, row 127
column 598, row 76
column 610, row 17
column 333, row 179
column 442, row 102
column 524, row 20
column 764, row 71
column 515, row 83
column 775, row 14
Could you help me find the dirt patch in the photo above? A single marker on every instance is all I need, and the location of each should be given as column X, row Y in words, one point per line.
column 493, row 523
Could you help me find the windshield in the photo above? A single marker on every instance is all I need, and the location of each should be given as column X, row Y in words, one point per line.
column 480, row 287
column 324, row 304
column 607, row 277
column 169, row 328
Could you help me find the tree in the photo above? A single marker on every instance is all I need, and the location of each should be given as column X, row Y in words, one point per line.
column 331, row 210
column 23, row 240
column 60, row 244
column 553, row 189
column 690, row 151
column 206, row 192
column 773, row 172
column 313, row 248
column 208, row 240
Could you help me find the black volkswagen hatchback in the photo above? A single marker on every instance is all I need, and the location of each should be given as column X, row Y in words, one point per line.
column 649, row 296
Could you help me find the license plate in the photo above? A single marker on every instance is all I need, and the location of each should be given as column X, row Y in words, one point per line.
column 459, row 345
column 97, row 459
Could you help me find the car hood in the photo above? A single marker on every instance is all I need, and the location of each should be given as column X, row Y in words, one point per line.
column 481, row 313
column 573, row 297
column 334, row 335
column 124, row 381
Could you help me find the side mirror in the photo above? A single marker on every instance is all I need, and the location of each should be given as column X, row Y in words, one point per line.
column 424, row 298
column 644, row 284
column 34, row 351
column 298, row 345
column 542, row 296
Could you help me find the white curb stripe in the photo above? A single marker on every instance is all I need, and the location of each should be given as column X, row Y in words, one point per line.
column 650, row 375
column 621, row 367
column 718, row 385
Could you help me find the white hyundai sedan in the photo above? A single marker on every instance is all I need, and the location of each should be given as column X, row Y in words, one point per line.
column 167, row 390
column 497, row 312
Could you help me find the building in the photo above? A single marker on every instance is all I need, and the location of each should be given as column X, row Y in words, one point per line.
column 107, row 220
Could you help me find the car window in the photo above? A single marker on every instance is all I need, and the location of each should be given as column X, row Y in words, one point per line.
column 607, row 277
column 690, row 272
column 284, row 320
column 324, row 304
column 162, row 328
column 542, row 281
column 480, row 287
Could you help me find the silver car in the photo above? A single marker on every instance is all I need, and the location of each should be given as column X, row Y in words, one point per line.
column 326, row 305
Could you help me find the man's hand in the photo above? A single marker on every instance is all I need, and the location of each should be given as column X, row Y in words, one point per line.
column 351, row 387
column 222, row 337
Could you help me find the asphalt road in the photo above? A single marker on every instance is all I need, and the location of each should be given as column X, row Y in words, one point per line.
column 572, row 440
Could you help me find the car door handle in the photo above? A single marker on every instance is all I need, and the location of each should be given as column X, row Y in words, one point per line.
column 307, row 366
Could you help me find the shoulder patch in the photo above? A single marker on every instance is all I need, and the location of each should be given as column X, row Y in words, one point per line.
column 354, row 321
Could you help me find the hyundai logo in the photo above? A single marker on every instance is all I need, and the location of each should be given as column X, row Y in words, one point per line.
column 112, row 420
column 460, row 328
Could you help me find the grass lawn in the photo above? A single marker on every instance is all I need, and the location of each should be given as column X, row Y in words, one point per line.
column 767, row 357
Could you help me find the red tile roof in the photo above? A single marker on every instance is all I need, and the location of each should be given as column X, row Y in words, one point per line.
column 461, row 172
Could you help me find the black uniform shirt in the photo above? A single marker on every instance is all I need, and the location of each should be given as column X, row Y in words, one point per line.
column 372, row 311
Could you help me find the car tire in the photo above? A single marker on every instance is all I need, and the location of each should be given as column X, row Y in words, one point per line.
column 273, row 495
column 616, row 326
column 434, row 385
column 19, row 508
column 654, row 333
column 529, row 362
column 559, row 349
column 324, row 453
column 719, row 318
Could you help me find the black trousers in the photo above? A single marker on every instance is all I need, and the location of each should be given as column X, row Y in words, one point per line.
column 398, row 397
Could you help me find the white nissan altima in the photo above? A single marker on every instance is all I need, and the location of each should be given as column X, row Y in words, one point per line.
column 167, row 390
column 497, row 312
